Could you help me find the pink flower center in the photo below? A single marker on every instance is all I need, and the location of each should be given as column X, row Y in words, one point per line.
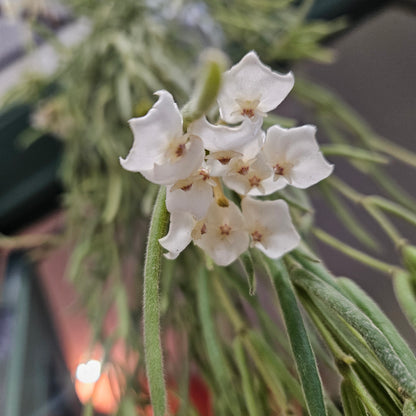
column 249, row 112
column 278, row 169
column 186, row 187
column 180, row 150
column 225, row 229
column 254, row 181
column 224, row 160
column 243, row 170
column 256, row 236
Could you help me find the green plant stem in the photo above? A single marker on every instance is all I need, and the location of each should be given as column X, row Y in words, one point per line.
column 151, row 308
column 406, row 295
column 353, row 153
column 364, row 258
column 348, row 219
column 386, row 225
column 373, row 205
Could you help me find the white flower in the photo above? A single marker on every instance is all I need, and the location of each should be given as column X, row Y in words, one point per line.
column 193, row 194
column 223, row 234
column 248, row 175
column 251, row 89
column 294, row 157
column 160, row 151
column 270, row 226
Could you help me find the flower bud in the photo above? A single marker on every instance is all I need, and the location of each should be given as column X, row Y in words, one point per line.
column 213, row 63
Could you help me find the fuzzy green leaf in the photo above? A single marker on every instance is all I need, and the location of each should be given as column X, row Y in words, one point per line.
column 375, row 339
column 299, row 339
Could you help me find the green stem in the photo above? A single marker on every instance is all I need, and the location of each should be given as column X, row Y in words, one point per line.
column 353, row 153
column 151, row 308
column 372, row 200
column 386, row 225
column 354, row 253
column 405, row 294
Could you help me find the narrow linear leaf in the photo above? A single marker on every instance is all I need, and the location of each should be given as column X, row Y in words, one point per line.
column 358, row 320
column 406, row 295
column 151, row 308
column 371, row 309
column 299, row 339
column 247, row 263
column 386, row 399
column 123, row 96
column 347, row 338
column 350, row 401
column 113, row 197
column 214, row 352
column 365, row 397
column 316, row 268
column 409, row 408
column 353, row 153
column 246, row 382
column 349, row 220
column 276, row 365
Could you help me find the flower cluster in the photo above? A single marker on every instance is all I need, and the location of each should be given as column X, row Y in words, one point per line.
column 196, row 163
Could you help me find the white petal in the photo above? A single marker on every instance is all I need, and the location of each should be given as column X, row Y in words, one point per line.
column 195, row 200
column 152, row 133
column 251, row 80
column 179, row 235
column 218, row 138
column 292, row 144
column 169, row 173
column 273, row 219
column 309, row 171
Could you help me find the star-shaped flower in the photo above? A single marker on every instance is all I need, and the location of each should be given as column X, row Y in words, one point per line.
column 193, row 194
column 295, row 158
column 161, row 152
column 270, row 226
column 251, row 89
column 223, row 236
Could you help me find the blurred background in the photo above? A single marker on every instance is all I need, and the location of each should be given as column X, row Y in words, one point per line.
column 57, row 62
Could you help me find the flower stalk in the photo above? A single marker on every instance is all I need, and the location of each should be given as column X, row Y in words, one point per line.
column 151, row 307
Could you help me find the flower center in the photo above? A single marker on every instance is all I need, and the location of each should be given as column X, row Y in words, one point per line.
column 186, row 187
column 248, row 107
column 180, row 150
column 254, row 181
column 281, row 168
column 225, row 229
column 278, row 169
column 243, row 170
column 249, row 112
column 256, row 236
column 224, row 160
